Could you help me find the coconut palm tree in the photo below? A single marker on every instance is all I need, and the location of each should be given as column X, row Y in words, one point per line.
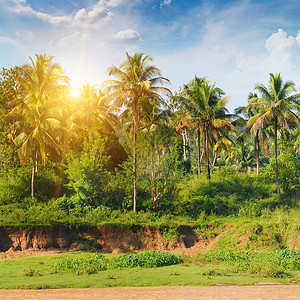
column 260, row 135
column 206, row 106
column 155, row 137
column 136, row 78
column 36, row 114
column 91, row 107
column 277, row 106
column 186, row 123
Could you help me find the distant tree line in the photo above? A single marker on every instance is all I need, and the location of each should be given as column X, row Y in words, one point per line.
column 130, row 140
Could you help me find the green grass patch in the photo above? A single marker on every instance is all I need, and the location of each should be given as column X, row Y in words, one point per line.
column 208, row 269
column 275, row 264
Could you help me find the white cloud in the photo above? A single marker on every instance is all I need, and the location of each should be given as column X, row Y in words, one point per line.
column 283, row 53
column 231, row 66
column 98, row 14
column 280, row 42
column 165, row 3
column 128, row 36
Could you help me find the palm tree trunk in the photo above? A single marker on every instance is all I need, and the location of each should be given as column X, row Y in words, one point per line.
column 136, row 124
column 201, row 156
column 276, row 165
column 152, row 182
column 134, row 170
column 188, row 150
column 213, row 165
column 198, row 151
column 208, row 170
column 206, row 151
column 32, row 179
column 184, row 146
column 257, row 151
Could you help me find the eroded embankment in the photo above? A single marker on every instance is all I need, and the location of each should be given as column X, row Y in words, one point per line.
column 120, row 239
column 108, row 238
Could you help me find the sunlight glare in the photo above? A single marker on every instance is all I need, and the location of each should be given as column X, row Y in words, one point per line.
column 75, row 92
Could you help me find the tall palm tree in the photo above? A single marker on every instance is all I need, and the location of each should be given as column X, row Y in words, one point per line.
column 156, row 136
column 277, row 106
column 136, row 78
column 206, row 106
column 36, row 114
column 184, row 127
column 186, row 122
column 260, row 135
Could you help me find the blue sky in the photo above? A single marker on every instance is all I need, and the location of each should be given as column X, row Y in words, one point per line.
column 234, row 43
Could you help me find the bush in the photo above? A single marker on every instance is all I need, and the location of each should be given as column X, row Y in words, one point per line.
column 82, row 266
column 288, row 171
column 226, row 194
column 87, row 176
column 28, row 272
column 15, row 185
column 147, row 259
column 272, row 264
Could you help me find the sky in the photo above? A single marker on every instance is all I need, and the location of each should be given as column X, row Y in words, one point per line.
column 236, row 44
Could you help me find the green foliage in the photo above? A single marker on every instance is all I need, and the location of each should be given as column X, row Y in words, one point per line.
column 98, row 262
column 86, row 173
column 288, row 169
column 272, row 264
column 149, row 259
column 81, row 266
column 28, row 272
column 14, row 185
column 48, row 183
column 120, row 186
column 170, row 234
column 226, row 194
column 32, row 214
column 193, row 272
column 159, row 168
column 212, row 272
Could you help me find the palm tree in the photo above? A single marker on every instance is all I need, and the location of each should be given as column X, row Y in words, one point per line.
column 222, row 145
column 206, row 108
column 260, row 135
column 91, row 107
column 36, row 114
column 276, row 106
column 136, row 78
column 156, row 138
column 187, row 124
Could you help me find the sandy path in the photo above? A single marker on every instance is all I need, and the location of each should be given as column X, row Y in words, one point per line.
column 283, row 292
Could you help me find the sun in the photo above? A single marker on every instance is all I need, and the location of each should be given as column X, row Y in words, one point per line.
column 75, row 92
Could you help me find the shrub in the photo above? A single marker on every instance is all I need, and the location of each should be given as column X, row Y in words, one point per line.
column 272, row 264
column 147, row 259
column 14, row 185
column 226, row 194
column 28, row 272
column 288, row 171
column 82, row 266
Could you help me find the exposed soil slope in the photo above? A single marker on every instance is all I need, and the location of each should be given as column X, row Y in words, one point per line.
column 105, row 238
column 119, row 239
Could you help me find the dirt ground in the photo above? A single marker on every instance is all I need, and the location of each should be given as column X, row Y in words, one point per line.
column 283, row 292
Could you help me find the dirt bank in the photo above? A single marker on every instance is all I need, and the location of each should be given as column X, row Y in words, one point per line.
column 120, row 239
column 106, row 239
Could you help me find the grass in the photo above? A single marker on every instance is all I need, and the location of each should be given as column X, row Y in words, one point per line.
column 35, row 273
